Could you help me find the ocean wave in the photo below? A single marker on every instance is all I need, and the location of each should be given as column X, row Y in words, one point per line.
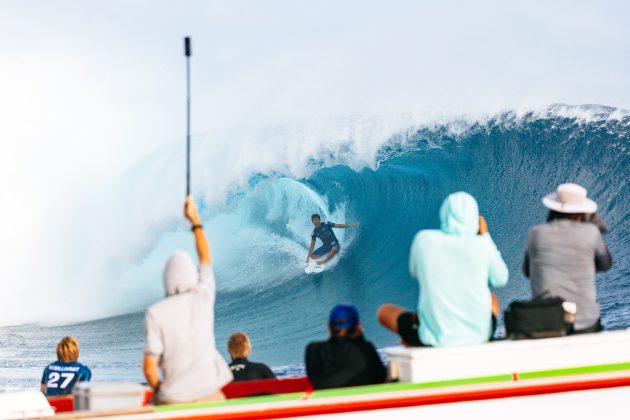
column 258, row 187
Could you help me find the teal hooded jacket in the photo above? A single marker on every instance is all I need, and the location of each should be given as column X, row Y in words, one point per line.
column 455, row 268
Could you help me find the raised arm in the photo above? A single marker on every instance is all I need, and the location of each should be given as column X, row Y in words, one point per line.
column 201, row 243
column 343, row 226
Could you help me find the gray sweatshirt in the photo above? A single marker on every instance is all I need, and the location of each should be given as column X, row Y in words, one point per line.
column 180, row 334
column 561, row 258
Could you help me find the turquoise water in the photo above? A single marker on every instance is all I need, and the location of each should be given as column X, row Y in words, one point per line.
column 507, row 162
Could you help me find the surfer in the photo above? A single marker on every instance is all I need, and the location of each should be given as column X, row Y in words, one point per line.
column 324, row 231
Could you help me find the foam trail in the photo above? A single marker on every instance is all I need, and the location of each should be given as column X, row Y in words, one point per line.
column 260, row 239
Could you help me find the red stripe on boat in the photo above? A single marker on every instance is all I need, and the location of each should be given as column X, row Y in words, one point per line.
column 345, row 407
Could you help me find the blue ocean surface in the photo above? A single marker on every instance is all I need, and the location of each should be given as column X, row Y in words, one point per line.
column 508, row 162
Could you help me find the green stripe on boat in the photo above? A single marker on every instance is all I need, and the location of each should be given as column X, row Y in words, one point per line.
column 397, row 387
column 575, row 371
column 228, row 403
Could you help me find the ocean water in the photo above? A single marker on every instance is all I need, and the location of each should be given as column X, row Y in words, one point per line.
column 392, row 181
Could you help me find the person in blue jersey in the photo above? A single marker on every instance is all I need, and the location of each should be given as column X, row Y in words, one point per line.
column 60, row 377
column 330, row 244
column 455, row 266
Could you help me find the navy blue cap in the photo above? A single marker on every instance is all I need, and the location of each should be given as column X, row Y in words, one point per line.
column 343, row 316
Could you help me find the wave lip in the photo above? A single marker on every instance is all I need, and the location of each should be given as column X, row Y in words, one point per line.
column 586, row 113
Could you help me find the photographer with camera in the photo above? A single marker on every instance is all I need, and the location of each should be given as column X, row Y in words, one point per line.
column 562, row 255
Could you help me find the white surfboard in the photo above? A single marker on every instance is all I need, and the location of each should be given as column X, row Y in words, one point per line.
column 312, row 268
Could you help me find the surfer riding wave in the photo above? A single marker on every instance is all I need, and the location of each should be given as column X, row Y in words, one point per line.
column 324, row 231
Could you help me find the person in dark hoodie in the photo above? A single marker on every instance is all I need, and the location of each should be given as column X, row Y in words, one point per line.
column 346, row 358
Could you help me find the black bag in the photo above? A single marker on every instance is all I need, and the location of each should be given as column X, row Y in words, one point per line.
column 537, row 318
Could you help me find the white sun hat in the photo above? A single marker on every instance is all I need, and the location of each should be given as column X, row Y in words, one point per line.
column 570, row 198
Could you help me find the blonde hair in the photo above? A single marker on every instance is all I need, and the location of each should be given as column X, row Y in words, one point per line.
column 239, row 345
column 68, row 350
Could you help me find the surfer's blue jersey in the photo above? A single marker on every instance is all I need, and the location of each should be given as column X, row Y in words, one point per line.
column 59, row 378
column 325, row 233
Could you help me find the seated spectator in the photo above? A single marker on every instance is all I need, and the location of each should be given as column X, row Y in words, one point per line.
column 239, row 348
column 562, row 255
column 180, row 329
column 60, row 377
column 346, row 358
column 455, row 267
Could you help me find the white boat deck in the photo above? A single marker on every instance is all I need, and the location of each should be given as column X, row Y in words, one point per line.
column 419, row 365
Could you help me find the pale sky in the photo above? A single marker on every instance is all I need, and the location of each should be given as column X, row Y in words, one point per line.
column 88, row 88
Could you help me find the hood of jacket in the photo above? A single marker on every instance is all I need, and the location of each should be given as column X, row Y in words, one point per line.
column 459, row 214
column 180, row 274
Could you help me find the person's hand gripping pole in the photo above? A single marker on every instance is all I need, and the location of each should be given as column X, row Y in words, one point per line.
column 201, row 243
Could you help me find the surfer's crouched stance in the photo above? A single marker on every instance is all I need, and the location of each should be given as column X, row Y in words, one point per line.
column 323, row 231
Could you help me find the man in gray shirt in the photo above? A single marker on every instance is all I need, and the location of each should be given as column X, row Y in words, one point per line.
column 180, row 329
column 562, row 255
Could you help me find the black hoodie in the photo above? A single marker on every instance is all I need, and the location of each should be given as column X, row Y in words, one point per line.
column 343, row 361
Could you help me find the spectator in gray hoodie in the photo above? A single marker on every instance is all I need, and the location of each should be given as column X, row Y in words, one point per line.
column 562, row 255
column 180, row 329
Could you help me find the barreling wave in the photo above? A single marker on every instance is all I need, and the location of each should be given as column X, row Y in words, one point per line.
column 507, row 162
column 259, row 187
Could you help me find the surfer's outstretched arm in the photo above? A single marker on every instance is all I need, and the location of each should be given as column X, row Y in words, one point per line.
column 310, row 251
column 201, row 243
column 344, row 226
